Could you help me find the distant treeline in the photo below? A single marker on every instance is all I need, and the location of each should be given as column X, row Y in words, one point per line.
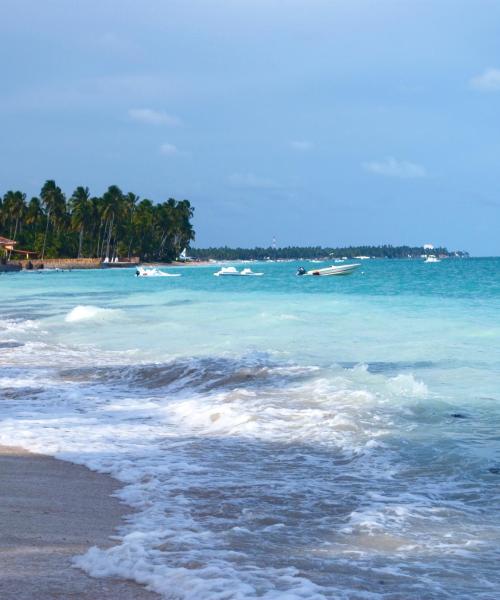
column 114, row 224
column 298, row 252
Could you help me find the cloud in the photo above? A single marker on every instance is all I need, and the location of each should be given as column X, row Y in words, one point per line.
column 169, row 150
column 390, row 167
column 488, row 81
column 153, row 117
column 302, row 145
column 251, row 181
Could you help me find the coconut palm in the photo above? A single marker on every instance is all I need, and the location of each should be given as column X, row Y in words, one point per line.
column 97, row 226
column 14, row 206
column 81, row 213
column 54, row 203
column 113, row 208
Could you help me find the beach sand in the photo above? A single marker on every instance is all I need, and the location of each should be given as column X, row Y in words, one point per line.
column 50, row 511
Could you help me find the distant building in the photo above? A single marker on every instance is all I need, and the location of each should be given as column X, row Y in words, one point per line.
column 6, row 244
column 428, row 247
column 7, row 247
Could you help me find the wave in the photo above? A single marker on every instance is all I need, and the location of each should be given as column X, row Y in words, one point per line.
column 259, row 478
column 90, row 313
column 17, row 325
column 201, row 374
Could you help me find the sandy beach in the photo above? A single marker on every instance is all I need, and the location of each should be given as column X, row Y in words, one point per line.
column 51, row 511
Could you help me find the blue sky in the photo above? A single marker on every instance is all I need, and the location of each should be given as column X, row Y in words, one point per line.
column 312, row 121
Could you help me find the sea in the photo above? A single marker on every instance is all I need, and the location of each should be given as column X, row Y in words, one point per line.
column 278, row 437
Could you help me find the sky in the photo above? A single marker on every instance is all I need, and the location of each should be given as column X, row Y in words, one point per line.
column 314, row 122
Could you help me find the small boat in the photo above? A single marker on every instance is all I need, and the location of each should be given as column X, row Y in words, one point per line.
column 153, row 272
column 233, row 272
column 432, row 259
column 333, row 270
column 248, row 272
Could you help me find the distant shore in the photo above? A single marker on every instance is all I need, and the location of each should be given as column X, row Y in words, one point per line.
column 50, row 511
column 97, row 263
column 90, row 263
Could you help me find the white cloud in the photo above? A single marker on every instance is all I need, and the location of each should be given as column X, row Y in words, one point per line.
column 153, row 117
column 390, row 167
column 302, row 145
column 251, row 181
column 488, row 81
column 169, row 150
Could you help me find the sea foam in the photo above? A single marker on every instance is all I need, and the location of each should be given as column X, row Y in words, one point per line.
column 90, row 313
column 268, row 457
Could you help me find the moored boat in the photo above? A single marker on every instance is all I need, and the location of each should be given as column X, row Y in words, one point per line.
column 233, row 272
column 332, row 270
column 153, row 272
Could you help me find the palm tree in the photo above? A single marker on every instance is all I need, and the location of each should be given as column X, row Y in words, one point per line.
column 183, row 231
column 32, row 220
column 100, row 226
column 34, row 211
column 14, row 207
column 112, row 208
column 53, row 200
column 142, row 224
column 130, row 202
column 80, row 207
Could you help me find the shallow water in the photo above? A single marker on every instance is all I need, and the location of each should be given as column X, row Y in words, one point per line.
column 282, row 437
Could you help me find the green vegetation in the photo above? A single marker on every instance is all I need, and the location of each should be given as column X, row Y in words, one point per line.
column 114, row 224
column 297, row 252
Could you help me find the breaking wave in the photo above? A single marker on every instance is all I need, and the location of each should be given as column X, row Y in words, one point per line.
column 90, row 313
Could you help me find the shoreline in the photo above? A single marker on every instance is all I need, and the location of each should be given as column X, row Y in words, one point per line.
column 50, row 511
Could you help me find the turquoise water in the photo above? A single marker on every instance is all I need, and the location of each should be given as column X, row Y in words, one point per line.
column 281, row 437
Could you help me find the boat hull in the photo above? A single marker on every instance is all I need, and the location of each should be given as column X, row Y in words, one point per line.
column 333, row 270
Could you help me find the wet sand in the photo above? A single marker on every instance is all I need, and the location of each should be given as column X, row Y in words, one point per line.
column 51, row 511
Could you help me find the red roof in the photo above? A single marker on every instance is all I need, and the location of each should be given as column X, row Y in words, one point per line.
column 6, row 241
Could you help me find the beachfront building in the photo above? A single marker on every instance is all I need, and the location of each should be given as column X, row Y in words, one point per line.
column 7, row 247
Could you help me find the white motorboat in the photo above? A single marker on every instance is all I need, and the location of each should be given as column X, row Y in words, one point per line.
column 432, row 259
column 153, row 272
column 333, row 270
column 249, row 273
column 233, row 272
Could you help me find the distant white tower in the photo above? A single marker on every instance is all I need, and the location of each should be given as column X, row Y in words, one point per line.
column 274, row 243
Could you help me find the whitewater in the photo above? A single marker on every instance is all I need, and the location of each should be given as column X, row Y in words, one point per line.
column 278, row 437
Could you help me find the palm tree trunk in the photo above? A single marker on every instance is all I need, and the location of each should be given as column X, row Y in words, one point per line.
column 80, row 242
column 104, row 232
column 98, row 246
column 45, row 236
column 15, row 233
column 162, row 245
column 109, row 234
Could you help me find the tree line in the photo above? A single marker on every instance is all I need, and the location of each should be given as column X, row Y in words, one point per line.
column 116, row 224
column 315, row 252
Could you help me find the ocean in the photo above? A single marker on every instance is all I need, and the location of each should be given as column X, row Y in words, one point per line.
column 279, row 436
